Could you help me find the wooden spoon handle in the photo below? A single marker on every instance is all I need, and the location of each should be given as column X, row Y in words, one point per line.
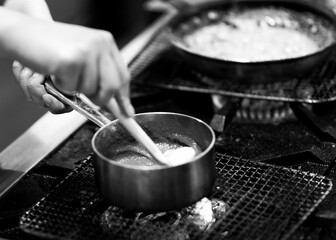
column 137, row 132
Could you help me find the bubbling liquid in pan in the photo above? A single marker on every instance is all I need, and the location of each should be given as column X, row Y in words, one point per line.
column 249, row 42
column 178, row 150
column 257, row 34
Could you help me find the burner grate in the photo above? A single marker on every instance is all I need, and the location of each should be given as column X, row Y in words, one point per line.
column 158, row 65
column 249, row 200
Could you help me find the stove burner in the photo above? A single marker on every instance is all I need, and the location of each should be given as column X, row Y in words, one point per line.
column 264, row 111
column 201, row 216
column 161, row 218
column 255, row 110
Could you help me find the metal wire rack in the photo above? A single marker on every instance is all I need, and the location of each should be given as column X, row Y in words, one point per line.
column 250, row 200
column 158, row 65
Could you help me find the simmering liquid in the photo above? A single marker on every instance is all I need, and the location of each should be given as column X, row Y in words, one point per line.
column 248, row 42
column 137, row 155
column 253, row 35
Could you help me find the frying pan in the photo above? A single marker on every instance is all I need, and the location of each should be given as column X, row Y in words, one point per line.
column 141, row 187
column 311, row 18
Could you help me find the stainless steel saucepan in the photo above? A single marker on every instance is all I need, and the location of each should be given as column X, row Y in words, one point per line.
column 143, row 187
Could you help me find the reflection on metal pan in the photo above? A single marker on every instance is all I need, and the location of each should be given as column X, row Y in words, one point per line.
column 155, row 188
column 255, row 40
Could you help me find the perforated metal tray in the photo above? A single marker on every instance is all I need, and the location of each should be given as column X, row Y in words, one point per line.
column 249, row 200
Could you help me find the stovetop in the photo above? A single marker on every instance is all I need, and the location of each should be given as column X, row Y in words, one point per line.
column 287, row 143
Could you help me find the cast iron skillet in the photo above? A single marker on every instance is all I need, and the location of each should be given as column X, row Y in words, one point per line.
column 311, row 18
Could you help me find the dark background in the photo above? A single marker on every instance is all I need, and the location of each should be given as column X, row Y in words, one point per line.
column 124, row 19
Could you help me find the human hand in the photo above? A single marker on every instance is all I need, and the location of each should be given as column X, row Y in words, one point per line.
column 81, row 59
column 29, row 81
column 31, row 84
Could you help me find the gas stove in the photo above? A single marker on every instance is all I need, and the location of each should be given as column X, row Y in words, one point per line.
column 275, row 162
column 58, row 197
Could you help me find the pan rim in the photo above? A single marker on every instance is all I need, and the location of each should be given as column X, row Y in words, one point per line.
column 316, row 9
column 154, row 167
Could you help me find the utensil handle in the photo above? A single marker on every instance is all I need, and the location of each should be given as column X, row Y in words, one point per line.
column 84, row 106
column 137, row 132
column 78, row 102
column 314, row 123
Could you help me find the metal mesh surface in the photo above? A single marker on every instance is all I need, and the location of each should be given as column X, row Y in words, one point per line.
column 249, row 200
column 158, row 65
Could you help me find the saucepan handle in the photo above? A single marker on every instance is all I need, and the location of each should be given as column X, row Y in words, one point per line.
column 79, row 102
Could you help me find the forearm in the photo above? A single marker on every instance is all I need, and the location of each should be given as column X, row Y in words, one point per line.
column 27, row 39
column 10, row 23
column 35, row 8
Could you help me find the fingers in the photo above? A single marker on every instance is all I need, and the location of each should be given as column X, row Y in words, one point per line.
column 92, row 65
column 32, row 85
column 122, row 94
column 114, row 83
column 90, row 79
column 109, row 79
column 53, row 105
column 124, row 102
column 121, row 66
column 21, row 74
